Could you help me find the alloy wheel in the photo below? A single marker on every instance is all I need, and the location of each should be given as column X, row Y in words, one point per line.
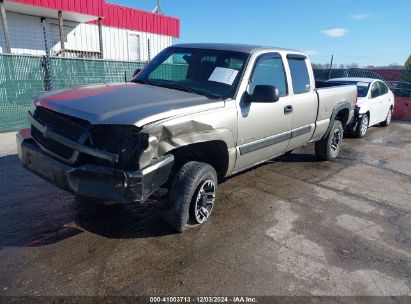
column 204, row 201
column 364, row 125
column 336, row 140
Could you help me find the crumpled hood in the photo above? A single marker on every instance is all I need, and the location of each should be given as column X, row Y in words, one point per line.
column 126, row 103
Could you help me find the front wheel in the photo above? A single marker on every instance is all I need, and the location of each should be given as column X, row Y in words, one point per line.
column 192, row 196
column 387, row 120
column 329, row 147
column 362, row 126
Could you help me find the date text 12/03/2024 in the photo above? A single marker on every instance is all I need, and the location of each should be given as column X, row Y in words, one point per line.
column 237, row 299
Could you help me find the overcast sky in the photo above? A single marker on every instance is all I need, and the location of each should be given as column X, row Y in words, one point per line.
column 367, row 32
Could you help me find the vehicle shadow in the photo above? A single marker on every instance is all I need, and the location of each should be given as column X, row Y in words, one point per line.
column 296, row 157
column 123, row 221
column 35, row 213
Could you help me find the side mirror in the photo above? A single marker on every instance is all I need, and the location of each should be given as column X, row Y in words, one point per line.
column 138, row 70
column 264, row 93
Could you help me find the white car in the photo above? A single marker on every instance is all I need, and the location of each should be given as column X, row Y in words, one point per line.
column 375, row 104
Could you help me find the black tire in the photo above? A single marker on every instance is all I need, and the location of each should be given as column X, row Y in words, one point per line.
column 192, row 195
column 362, row 126
column 387, row 120
column 329, row 147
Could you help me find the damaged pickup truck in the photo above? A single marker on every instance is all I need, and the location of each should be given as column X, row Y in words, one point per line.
column 194, row 115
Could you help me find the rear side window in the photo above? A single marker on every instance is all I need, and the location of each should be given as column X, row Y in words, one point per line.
column 383, row 88
column 269, row 71
column 375, row 90
column 299, row 75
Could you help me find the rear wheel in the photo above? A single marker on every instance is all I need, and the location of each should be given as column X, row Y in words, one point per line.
column 362, row 126
column 329, row 147
column 387, row 120
column 192, row 196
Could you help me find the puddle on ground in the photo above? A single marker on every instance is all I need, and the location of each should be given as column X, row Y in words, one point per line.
column 379, row 140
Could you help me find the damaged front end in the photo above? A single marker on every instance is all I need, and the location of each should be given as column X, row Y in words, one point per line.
column 355, row 121
column 98, row 161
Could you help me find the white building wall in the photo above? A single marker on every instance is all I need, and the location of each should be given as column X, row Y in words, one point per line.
column 26, row 35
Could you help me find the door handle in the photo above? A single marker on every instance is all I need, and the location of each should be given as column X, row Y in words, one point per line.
column 288, row 109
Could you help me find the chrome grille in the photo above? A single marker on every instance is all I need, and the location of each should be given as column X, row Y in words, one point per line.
column 67, row 126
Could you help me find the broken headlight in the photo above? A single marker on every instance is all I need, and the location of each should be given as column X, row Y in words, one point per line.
column 125, row 141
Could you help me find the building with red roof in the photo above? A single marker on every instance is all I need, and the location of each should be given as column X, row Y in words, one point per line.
column 85, row 29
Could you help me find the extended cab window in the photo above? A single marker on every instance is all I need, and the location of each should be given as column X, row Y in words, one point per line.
column 269, row 71
column 299, row 74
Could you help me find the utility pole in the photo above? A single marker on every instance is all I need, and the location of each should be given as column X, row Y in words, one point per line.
column 157, row 9
column 331, row 66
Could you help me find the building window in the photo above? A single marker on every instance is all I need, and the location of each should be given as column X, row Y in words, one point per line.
column 55, row 32
column 133, row 47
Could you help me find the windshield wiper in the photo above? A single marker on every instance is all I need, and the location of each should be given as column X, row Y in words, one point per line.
column 180, row 87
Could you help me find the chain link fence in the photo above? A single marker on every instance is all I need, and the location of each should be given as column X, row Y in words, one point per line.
column 398, row 80
column 24, row 77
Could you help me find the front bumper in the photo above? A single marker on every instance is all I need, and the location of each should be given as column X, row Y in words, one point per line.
column 352, row 126
column 91, row 180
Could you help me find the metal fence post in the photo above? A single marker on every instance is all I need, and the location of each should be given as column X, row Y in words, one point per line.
column 61, row 33
column 5, row 26
column 45, row 61
column 100, row 37
column 149, row 49
column 331, row 66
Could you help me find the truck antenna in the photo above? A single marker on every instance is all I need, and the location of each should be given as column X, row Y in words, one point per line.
column 157, row 9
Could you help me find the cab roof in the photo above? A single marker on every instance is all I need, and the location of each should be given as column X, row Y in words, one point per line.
column 242, row 48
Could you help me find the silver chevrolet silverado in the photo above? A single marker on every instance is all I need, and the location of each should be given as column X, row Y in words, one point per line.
column 196, row 114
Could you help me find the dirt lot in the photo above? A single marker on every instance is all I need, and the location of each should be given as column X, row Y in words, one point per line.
column 293, row 226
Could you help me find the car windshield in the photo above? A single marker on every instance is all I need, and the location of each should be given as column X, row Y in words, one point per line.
column 211, row 73
column 362, row 87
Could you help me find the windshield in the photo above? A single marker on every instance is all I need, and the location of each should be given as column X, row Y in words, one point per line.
column 211, row 73
column 362, row 87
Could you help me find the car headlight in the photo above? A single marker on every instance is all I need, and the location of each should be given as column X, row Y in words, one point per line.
column 125, row 141
column 33, row 106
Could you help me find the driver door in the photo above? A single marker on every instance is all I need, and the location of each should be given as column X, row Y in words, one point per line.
column 264, row 128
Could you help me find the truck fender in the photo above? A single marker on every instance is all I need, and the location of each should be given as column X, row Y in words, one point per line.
column 345, row 105
column 225, row 135
column 173, row 136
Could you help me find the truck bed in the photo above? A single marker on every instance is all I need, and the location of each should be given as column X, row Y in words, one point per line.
column 328, row 94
